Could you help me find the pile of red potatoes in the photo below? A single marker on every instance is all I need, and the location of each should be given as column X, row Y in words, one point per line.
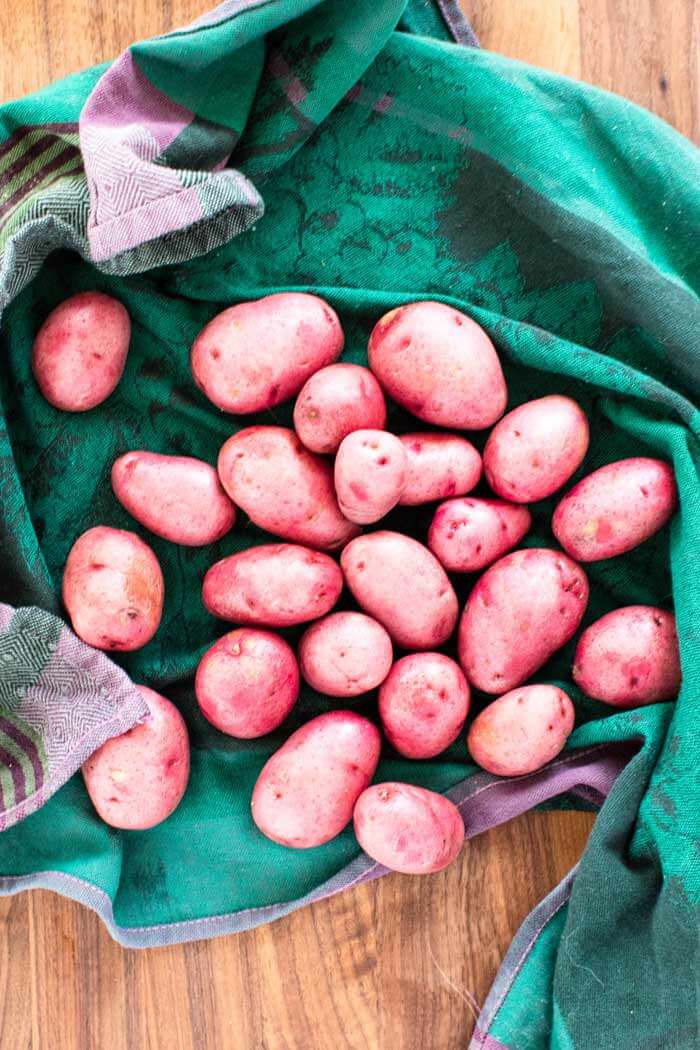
column 442, row 367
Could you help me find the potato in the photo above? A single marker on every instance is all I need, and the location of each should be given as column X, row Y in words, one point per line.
column 525, row 607
column 440, row 365
column 258, row 354
column 283, row 487
column 407, row 828
column 439, row 465
column 276, row 585
column 306, row 791
column 335, row 401
column 113, row 589
column 615, row 508
column 176, row 497
column 370, row 472
column 247, row 683
column 137, row 780
column 536, row 448
column 423, row 704
column 466, row 535
column 629, row 657
column 80, row 351
column 345, row 654
column 521, row 731
column 398, row 581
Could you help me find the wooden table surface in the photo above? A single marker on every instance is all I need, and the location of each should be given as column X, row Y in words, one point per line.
column 400, row 964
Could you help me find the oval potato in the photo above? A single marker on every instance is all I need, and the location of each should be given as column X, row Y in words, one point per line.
column 438, row 466
column 335, row 401
column 466, row 535
column 345, row 654
column 423, row 704
column 370, row 473
column 521, row 731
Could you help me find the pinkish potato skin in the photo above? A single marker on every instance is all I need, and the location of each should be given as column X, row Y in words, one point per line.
column 113, row 589
column 258, row 354
column 440, row 365
column 521, row 731
column 306, row 791
column 536, row 448
column 399, row 582
column 137, row 780
column 176, row 497
column 525, row 607
column 80, row 351
column 439, row 466
column 629, row 657
column 247, row 683
column 283, row 487
column 466, row 535
column 345, row 654
column 407, row 828
column 370, row 473
column 615, row 508
column 335, row 401
column 423, row 704
column 275, row 585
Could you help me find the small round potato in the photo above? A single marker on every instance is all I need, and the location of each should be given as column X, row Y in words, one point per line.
column 335, row 401
column 137, row 780
column 113, row 589
column 423, row 704
column 80, row 351
column 629, row 657
column 370, row 473
column 307, row 790
column 466, row 535
column 439, row 466
column 407, row 828
column 345, row 654
column 521, row 731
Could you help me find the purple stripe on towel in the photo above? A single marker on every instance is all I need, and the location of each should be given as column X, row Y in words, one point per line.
column 16, row 772
column 27, row 745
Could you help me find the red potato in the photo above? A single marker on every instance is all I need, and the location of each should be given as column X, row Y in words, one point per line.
column 283, row 487
column 176, row 497
column 335, row 401
column 258, row 354
column 423, row 704
column 137, row 780
column 525, row 607
column 345, row 654
column 80, row 351
column 275, row 585
column 307, row 790
column 407, row 828
column 113, row 589
column 466, row 535
column 615, row 508
column 521, row 731
column 439, row 465
column 536, row 448
column 247, row 683
column 398, row 581
column 629, row 657
column 370, row 473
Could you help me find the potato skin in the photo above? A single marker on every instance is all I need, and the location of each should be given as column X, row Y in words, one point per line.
column 615, row 508
column 440, row 365
column 306, row 791
column 113, row 589
column 398, row 581
column 283, row 487
column 137, row 780
column 369, row 475
column 257, row 354
column 345, row 654
column 247, row 682
column 629, row 657
column 438, row 466
column 274, row 585
column 525, row 607
column 408, row 829
column 521, row 731
column 335, row 401
column 176, row 497
column 535, row 448
column 423, row 704
column 466, row 535
column 80, row 351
